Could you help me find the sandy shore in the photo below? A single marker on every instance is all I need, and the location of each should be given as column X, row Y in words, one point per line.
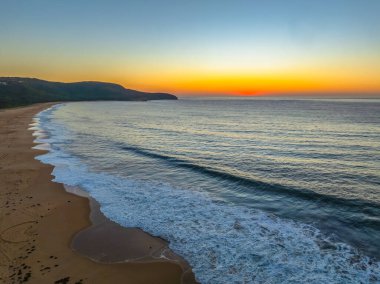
column 47, row 235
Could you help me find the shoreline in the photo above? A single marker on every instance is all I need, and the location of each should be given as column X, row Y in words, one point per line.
column 45, row 230
column 117, row 248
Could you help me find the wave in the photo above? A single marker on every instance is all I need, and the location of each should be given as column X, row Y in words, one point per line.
column 372, row 209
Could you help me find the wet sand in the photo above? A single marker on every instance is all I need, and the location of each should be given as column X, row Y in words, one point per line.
column 48, row 235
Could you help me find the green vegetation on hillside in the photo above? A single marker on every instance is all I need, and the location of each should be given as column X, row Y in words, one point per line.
column 24, row 91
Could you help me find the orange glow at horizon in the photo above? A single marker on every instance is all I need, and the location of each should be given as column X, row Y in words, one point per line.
column 185, row 83
column 257, row 85
column 335, row 76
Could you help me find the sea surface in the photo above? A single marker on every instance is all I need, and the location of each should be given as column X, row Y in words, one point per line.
column 247, row 190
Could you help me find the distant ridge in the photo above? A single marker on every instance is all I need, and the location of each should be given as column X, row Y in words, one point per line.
column 17, row 91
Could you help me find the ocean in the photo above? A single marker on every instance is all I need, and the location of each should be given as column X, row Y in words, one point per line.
column 246, row 190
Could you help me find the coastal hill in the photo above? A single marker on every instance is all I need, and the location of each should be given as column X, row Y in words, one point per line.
column 16, row 91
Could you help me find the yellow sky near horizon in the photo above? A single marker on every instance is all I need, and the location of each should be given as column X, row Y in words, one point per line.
column 340, row 76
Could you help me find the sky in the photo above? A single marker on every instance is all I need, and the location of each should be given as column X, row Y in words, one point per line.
column 197, row 47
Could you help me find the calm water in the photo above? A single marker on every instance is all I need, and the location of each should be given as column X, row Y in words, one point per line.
column 248, row 191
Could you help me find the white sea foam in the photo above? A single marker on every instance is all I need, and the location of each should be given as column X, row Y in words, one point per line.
column 222, row 242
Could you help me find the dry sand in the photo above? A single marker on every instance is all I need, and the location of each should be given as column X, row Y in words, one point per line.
column 46, row 235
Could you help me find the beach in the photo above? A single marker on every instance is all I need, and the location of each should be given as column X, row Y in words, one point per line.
column 149, row 192
column 40, row 222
